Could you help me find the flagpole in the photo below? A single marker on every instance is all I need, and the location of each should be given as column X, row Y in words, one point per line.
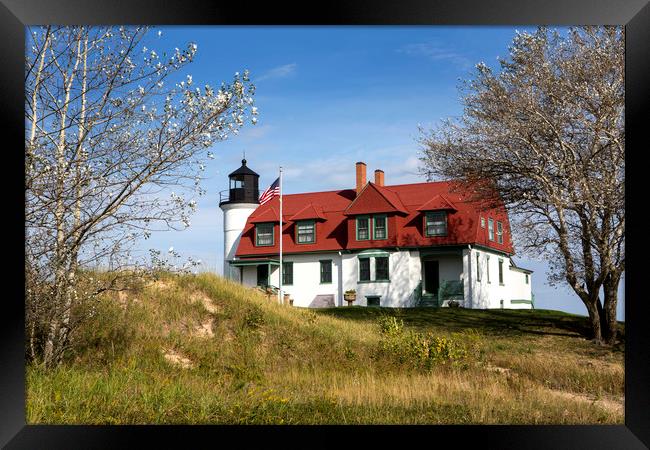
column 281, row 298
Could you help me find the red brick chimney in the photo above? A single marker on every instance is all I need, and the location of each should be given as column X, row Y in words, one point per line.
column 379, row 177
column 361, row 176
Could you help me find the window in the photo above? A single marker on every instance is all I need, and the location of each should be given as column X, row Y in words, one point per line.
column 287, row 273
column 500, row 271
column 306, row 232
column 491, row 229
column 478, row 266
column 487, row 263
column 379, row 224
column 264, row 233
column 373, row 300
column 482, row 222
column 526, row 278
column 436, row 224
column 364, row 269
column 499, row 232
column 379, row 231
column 326, row 271
column 381, row 268
column 379, row 262
column 363, row 230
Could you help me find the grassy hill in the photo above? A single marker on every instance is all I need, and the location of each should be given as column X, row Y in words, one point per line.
column 200, row 349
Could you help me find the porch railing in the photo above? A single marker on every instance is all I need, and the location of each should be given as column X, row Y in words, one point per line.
column 417, row 295
column 448, row 290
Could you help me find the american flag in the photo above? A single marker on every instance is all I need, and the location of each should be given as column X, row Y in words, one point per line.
column 270, row 192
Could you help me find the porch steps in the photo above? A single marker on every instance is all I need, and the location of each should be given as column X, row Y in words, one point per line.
column 428, row 301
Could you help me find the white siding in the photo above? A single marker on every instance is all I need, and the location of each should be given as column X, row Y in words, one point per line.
column 405, row 273
column 234, row 221
column 518, row 288
column 249, row 276
column 306, row 278
column 490, row 294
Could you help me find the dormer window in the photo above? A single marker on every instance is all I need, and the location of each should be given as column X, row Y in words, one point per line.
column 363, row 228
column 306, row 232
column 379, row 231
column 264, row 235
column 373, row 227
column 435, row 223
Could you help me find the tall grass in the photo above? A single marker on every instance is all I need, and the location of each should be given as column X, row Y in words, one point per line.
column 260, row 362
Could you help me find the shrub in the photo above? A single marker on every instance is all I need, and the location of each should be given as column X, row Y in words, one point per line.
column 427, row 350
column 423, row 350
column 390, row 326
column 106, row 333
column 254, row 317
column 473, row 342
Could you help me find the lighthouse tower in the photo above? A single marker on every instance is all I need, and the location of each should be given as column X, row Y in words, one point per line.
column 237, row 203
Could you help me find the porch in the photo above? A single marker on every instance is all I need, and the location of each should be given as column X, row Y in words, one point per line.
column 257, row 272
column 441, row 277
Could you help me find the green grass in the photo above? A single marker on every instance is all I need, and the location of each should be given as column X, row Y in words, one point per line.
column 245, row 359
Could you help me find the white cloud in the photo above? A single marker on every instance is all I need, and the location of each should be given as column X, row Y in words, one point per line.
column 436, row 52
column 338, row 171
column 278, row 72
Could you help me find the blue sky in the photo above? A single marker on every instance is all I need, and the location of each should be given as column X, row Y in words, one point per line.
column 328, row 97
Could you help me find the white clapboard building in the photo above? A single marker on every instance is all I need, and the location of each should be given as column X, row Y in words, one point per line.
column 408, row 245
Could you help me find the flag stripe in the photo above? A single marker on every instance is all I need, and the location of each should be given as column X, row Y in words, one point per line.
column 270, row 192
column 269, row 195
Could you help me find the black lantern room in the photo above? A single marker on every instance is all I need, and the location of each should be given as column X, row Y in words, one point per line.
column 244, row 186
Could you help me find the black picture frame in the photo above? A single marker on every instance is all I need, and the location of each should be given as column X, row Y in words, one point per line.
column 634, row 14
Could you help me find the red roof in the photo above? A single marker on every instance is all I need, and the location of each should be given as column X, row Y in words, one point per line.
column 404, row 206
column 308, row 212
column 375, row 199
column 261, row 215
column 439, row 202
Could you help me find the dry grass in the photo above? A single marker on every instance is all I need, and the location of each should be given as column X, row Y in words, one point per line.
column 200, row 349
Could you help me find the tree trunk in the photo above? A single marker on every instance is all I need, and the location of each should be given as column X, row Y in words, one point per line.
column 594, row 321
column 601, row 314
column 57, row 330
column 51, row 341
column 610, row 330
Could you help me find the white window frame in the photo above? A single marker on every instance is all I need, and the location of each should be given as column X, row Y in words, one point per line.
column 487, row 267
column 304, row 223
column 257, row 234
column 502, row 280
column 431, row 214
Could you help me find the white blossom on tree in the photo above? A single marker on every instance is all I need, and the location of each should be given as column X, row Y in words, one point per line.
column 107, row 133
